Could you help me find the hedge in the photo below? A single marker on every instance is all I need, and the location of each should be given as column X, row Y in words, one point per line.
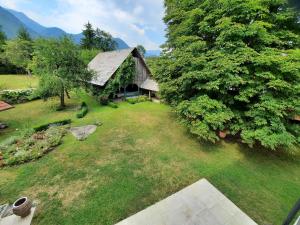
column 18, row 96
column 48, row 125
column 83, row 110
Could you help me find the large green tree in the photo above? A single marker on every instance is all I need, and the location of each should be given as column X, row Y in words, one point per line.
column 58, row 64
column 234, row 65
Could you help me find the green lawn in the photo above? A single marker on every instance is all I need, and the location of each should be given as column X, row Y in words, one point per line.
column 17, row 81
column 139, row 156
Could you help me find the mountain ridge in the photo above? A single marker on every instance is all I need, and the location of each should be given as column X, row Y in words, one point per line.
column 12, row 20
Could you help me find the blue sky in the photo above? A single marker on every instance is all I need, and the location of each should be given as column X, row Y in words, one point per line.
column 135, row 21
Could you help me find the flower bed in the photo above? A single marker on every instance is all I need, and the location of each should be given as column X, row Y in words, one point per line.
column 30, row 145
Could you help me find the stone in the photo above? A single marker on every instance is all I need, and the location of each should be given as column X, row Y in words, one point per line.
column 81, row 133
column 3, row 126
column 198, row 204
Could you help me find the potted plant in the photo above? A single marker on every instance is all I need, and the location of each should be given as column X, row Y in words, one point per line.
column 22, row 207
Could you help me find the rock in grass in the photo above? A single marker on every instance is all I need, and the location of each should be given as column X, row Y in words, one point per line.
column 81, row 133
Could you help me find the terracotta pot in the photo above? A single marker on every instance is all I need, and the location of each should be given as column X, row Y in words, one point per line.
column 222, row 134
column 22, row 207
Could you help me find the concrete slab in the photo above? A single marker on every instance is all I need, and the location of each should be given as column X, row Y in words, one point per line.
column 16, row 220
column 198, row 204
column 81, row 133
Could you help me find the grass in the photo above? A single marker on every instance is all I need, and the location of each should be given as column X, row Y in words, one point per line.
column 17, row 81
column 139, row 156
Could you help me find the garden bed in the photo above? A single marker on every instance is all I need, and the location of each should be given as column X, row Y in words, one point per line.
column 30, row 145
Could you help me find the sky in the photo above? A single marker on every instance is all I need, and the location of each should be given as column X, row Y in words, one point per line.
column 135, row 21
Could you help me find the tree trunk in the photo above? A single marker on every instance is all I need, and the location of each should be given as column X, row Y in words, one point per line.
column 125, row 93
column 67, row 93
column 62, row 97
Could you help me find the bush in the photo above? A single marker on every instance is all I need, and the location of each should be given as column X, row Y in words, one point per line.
column 103, row 99
column 18, row 96
column 138, row 99
column 53, row 124
column 113, row 105
column 131, row 100
column 83, row 110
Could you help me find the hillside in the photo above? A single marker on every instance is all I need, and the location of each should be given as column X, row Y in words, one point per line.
column 12, row 20
column 10, row 24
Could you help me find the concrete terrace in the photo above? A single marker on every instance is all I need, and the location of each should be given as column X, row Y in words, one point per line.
column 198, row 204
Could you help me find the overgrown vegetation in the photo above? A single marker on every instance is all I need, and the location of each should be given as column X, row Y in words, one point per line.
column 123, row 77
column 29, row 145
column 234, row 65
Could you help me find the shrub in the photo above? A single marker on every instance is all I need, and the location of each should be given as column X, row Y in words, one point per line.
column 138, row 99
column 103, row 99
column 53, row 124
column 19, row 96
column 83, row 110
column 113, row 105
column 131, row 100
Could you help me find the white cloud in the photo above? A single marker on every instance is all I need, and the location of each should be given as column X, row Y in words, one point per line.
column 132, row 23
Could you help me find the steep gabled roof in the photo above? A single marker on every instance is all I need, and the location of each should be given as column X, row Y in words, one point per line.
column 150, row 84
column 105, row 64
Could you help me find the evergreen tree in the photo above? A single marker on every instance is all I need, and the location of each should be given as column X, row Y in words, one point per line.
column 23, row 34
column 88, row 41
column 234, row 66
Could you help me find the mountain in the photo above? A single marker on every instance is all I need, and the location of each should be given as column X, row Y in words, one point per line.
column 41, row 30
column 121, row 44
column 12, row 20
column 10, row 24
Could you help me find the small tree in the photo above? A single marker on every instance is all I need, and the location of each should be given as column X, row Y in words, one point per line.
column 58, row 64
column 23, row 34
column 141, row 50
column 88, row 40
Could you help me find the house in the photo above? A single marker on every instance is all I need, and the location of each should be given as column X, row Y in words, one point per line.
column 106, row 64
